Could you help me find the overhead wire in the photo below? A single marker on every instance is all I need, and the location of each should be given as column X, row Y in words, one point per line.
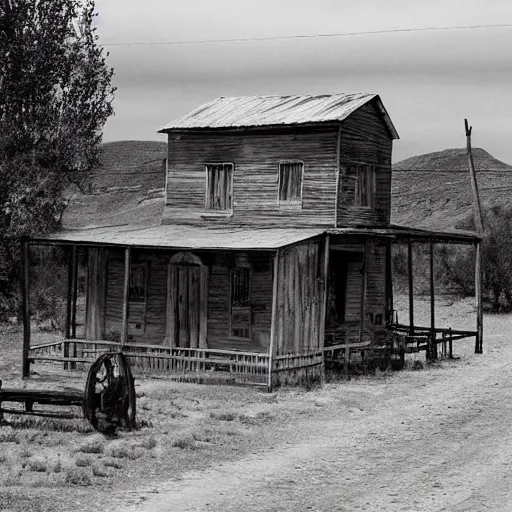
column 309, row 36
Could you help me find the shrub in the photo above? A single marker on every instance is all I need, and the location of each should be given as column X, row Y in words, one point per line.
column 148, row 443
column 184, row 443
column 94, row 444
column 223, row 416
column 83, row 462
column 78, row 476
column 37, row 464
column 100, row 471
column 112, row 463
column 458, row 264
column 124, row 451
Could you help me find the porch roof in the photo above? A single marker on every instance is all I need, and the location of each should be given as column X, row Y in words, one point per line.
column 182, row 237
column 398, row 232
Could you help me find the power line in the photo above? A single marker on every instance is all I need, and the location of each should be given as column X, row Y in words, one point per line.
column 310, row 36
column 450, row 171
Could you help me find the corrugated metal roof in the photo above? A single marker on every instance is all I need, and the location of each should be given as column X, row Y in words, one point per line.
column 184, row 237
column 252, row 111
column 398, row 232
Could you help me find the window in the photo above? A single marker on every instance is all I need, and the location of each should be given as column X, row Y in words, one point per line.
column 359, row 186
column 219, row 186
column 137, row 284
column 240, row 303
column 290, row 182
column 240, row 287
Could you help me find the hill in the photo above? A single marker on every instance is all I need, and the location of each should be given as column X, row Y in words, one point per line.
column 434, row 190
column 128, row 187
column 454, row 159
column 430, row 191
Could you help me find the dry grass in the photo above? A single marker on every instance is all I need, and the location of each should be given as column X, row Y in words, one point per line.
column 182, row 426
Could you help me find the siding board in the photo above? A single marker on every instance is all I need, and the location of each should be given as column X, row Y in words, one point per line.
column 256, row 156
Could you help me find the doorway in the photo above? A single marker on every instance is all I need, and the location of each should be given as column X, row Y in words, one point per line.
column 186, row 315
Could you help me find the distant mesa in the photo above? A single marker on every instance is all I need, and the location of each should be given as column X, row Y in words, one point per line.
column 454, row 159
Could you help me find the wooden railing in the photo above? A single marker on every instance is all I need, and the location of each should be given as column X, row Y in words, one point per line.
column 298, row 369
column 182, row 363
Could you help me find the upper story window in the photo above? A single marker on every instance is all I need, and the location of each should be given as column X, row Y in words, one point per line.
column 219, row 186
column 290, row 183
column 359, row 186
column 138, row 282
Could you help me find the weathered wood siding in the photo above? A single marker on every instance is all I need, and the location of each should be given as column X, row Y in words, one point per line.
column 95, row 300
column 148, row 322
column 256, row 156
column 365, row 139
column 300, row 298
column 260, row 303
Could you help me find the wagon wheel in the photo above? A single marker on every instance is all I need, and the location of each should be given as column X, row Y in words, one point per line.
column 109, row 397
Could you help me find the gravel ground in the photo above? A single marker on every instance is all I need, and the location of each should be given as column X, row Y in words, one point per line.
column 427, row 440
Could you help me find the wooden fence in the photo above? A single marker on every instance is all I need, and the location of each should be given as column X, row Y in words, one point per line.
column 189, row 364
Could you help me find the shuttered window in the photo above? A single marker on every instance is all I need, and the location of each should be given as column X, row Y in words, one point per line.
column 137, row 283
column 290, row 182
column 358, row 186
column 240, row 286
column 219, row 186
column 240, row 302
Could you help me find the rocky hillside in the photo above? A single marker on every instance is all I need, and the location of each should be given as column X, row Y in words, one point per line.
column 434, row 190
column 128, row 188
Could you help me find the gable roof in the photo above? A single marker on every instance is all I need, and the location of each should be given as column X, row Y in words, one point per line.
column 261, row 111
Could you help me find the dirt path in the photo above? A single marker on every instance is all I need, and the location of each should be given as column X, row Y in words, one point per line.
column 424, row 441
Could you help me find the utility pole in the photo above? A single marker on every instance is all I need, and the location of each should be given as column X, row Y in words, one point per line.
column 479, row 225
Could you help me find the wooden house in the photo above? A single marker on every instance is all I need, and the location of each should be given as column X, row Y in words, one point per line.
column 273, row 250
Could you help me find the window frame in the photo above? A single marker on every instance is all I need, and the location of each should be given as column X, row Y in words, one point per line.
column 145, row 266
column 371, row 184
column 286, row 203
column 246, row 308
column 216, row 211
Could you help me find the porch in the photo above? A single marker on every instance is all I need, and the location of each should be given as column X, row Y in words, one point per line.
column 209, row 305
column 378, row 330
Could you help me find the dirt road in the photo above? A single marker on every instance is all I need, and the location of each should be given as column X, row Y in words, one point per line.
column 421, row 441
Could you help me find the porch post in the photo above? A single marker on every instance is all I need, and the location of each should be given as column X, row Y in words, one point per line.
column 326, row 289
column 478, row 297
column 69, row 295
column 389, row 283
column 432, row 303
column 411, row 286
column 126, row 288
column 25, row 308
column 362, row 304
column 74, row 255
column 273, row 322
column 69, row 306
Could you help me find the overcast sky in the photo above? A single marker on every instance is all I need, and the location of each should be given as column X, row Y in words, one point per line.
column 429, row 81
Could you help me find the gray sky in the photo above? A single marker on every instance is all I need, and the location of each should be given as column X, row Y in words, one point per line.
column 428, row 81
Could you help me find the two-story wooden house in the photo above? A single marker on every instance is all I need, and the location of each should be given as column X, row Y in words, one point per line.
column 274, row 243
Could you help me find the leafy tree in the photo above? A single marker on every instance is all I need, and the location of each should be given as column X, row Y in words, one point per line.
column 55, row 97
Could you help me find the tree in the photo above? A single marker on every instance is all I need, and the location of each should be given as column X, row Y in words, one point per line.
column 55, row 97
column 496, row 260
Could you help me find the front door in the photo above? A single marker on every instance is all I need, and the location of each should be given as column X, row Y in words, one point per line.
column 187, row 305
column 186, row 302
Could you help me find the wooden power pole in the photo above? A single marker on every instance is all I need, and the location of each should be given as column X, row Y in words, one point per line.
column 479, row 225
